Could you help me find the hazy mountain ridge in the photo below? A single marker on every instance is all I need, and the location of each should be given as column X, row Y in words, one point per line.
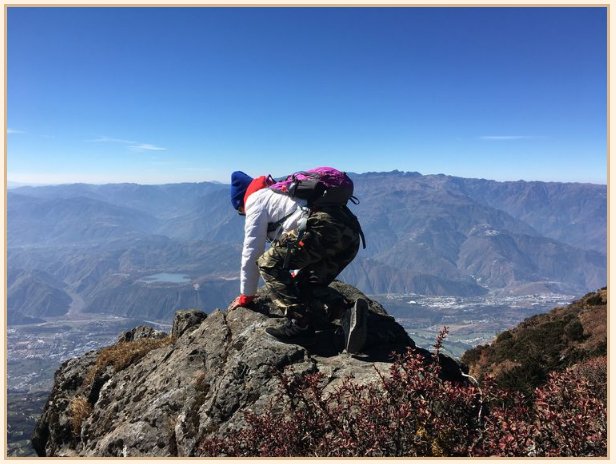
column 536, row 202
column 166, row 199
column 429, row 225
column 108, row 278
column 72, row 220
column 35, row 294
column 212, row 219
column 437, row 235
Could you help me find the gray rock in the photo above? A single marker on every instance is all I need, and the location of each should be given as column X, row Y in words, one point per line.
column 143, row 331
column 53, row 435
column 186, row 319
column 202, row 383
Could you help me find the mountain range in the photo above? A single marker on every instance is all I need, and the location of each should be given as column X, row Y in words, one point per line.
column 95, row 248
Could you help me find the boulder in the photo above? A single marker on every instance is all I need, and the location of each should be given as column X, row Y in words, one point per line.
column 143, row 331
column 185, row 320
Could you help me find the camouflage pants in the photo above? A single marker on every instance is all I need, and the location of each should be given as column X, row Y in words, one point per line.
column 328, row 245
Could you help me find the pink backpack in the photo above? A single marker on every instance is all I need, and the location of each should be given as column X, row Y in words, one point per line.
column 319, row 186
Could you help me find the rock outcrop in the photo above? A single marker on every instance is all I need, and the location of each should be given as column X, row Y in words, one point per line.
column 157, row 395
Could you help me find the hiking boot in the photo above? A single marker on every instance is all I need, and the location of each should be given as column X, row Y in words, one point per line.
column 290, row 331
column 355, row 326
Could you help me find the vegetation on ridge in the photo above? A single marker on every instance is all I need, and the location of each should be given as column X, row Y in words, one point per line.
column 523, row 357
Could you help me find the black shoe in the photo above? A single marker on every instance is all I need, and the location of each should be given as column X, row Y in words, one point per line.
column 355, row 326
column 290, row 331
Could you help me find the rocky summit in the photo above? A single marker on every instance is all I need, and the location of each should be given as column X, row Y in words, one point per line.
column 158, row 394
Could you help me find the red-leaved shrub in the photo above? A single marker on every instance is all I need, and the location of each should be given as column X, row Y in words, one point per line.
column 412, row 412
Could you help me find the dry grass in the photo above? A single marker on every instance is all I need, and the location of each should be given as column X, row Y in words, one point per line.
column 594, row 322
column 78, row 411
column 123, row 354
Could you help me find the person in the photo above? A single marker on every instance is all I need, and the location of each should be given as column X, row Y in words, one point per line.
column 309, row 248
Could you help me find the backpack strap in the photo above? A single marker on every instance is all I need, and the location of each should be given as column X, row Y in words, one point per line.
column 274, row 226
column 301, row 230
column 354, row 223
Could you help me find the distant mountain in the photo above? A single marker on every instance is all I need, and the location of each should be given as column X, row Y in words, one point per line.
column 75, row 220
column 34, row 294
column 429, row 226
column 109, row 278
column 157, row 200
column 571, row 213
column 435, row 235
column 211, row 219
column 157, row 301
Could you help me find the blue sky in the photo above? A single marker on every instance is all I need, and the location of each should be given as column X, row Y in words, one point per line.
column 162, row 95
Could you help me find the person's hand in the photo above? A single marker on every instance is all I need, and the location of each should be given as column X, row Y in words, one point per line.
column 243, row 301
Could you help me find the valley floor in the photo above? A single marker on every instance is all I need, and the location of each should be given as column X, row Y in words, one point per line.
column 471, row 321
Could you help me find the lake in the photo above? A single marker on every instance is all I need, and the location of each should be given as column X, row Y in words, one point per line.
column 167, row 278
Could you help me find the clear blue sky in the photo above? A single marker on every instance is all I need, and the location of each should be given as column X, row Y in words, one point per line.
column 157, row 95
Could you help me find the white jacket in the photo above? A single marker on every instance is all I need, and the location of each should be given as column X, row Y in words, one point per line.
column 262, row 208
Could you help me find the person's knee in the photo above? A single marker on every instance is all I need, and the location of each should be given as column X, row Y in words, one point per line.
column 272, row 272
column 268, row 264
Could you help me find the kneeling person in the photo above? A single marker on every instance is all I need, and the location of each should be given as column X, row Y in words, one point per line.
column 317, row 243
